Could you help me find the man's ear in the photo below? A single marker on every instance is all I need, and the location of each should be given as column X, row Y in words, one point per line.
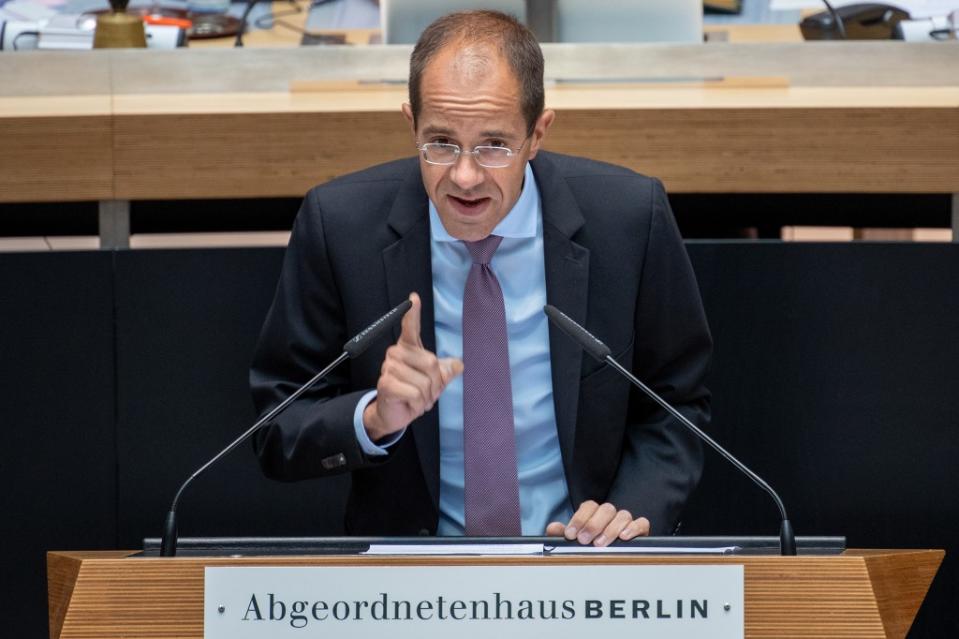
column 408, row 114
column 542, row 125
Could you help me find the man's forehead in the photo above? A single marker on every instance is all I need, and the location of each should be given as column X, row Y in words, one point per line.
column 467, row 63
column 492, row 117
column 472, row 63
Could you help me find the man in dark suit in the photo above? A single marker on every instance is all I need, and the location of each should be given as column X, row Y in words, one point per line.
column 586, row 457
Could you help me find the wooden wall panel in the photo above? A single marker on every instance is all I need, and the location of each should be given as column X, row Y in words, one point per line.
column 249, row 155
column 850, row 117
column 724, row 150
column 56, row 158
column 778, row 150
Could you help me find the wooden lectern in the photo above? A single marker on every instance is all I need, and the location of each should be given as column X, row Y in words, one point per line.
column 859, row 593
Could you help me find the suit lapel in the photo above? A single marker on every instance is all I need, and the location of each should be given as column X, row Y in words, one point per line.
column 408, row 268
column 567, row 282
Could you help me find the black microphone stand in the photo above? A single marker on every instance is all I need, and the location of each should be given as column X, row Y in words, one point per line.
column 601, row 352
column 169, row 538
column 243, row 20
column 787, row 538
column 352, row 348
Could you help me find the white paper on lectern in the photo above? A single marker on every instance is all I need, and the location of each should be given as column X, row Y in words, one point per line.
column 455, row 549
column 639, row 550
column 539, row 549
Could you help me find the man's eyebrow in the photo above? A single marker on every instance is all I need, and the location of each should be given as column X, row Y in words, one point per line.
column 435, row 130
column 496, row 134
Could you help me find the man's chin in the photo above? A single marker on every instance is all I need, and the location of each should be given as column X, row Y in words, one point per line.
column 470, row 225
column 469, row 229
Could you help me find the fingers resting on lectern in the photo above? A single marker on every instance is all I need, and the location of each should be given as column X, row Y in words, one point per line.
column 600, row 525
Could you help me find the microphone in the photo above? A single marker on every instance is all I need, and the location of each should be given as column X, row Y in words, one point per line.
column 243, row 20
column 593, row 346
column 352, row 348
column 838, row 24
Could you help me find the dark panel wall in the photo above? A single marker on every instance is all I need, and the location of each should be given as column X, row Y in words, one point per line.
column 187, row 323
column 57, row 446
column 835, row 376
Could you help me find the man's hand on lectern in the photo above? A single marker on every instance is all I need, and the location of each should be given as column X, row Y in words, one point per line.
column 411, row 380
column 600, row 525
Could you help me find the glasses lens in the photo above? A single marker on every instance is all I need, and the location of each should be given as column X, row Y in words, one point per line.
column 437, row 153
column 493, row 156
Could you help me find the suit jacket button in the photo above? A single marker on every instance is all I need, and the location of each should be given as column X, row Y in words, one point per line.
column 333, row 461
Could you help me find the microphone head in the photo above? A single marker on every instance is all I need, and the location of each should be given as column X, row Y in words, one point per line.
column 371, row 333
column 585, row 339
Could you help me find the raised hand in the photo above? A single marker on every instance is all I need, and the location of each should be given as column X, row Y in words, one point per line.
column 411, row 380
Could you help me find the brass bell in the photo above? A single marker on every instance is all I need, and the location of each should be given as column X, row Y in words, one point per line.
column 119, row 29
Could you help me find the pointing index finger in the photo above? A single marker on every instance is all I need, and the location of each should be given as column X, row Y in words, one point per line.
column 410, row 326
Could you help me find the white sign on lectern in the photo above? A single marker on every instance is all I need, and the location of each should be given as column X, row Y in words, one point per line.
column 463, row 602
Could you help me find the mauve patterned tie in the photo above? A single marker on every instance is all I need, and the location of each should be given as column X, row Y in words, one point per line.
column 489, row 444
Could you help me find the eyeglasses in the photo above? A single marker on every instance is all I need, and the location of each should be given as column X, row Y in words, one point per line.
column 490, row 157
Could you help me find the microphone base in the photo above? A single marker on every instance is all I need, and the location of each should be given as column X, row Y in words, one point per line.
column 787, row 539
column 168, row 542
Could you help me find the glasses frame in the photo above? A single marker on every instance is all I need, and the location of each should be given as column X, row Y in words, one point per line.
column 458, row 151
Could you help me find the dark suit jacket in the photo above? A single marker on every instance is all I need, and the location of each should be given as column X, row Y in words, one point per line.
column 614, row 262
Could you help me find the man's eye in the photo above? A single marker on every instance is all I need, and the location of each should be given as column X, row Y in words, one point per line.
column 440, row 140
column 496, row 143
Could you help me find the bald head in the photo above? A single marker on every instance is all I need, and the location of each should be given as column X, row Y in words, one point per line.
column 471, row 62
column 479, row 41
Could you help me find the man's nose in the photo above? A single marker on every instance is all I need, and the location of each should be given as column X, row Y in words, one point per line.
column 466, row 173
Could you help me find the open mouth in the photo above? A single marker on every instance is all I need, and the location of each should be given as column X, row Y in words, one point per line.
column 469, row 205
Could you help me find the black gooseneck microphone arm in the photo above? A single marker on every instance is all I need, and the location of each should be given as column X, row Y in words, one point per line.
column 838, row 24
column 599, row 350
column 243, row 22
column 352, row 348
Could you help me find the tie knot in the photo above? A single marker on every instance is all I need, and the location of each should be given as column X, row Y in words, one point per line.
column 482, row 250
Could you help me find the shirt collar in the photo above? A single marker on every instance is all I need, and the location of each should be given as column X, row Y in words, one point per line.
column 520, row 222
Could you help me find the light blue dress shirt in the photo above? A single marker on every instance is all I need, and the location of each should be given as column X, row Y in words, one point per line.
column 519, row 266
